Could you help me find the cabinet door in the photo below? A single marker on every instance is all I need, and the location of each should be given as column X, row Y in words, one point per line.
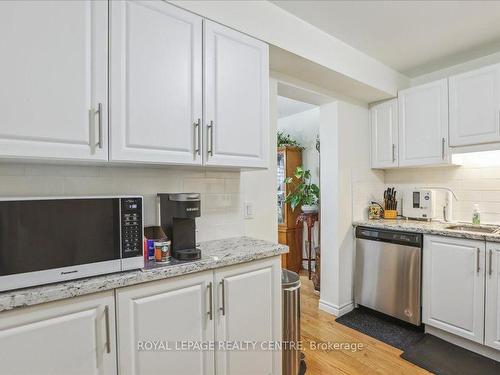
column 475, row 107
column 156, row 86
column 384, row 134
column 248, row 308
column 53, row 75
column 75, row 336
column 168, row 313
column 236, row 98
column 453, row 286
column 423, row 125
column 492, row 323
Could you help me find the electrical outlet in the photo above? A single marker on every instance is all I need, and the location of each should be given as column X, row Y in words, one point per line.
column 248, row 210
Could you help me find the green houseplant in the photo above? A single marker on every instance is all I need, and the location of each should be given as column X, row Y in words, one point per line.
column 304, row 193
column 286, row 140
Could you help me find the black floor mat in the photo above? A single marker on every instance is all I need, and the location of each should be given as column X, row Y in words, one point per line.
column 426, row 351
column 382, row 327
column 443, row 358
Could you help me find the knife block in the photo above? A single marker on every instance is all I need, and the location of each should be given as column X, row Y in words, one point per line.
column 390, row 214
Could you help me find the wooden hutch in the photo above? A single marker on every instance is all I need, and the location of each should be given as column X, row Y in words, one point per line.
column 289, row 158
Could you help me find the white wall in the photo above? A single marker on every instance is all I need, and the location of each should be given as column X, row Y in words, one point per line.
column 272, row 24
column 259, row 187
column 346, row 178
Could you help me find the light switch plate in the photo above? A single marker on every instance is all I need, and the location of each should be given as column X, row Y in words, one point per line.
column 248, row 210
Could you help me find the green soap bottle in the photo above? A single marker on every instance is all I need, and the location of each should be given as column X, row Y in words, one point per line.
column 476, row 215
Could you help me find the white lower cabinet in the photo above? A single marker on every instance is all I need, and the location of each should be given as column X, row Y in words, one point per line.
column 75, row 336
column 233, row 304
column 180, row 326
column 453, row 286
column 165, row 312
column 248, row 308
column 492, row 316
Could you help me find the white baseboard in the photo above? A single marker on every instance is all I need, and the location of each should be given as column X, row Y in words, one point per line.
column 464, row 343
column 335, row 309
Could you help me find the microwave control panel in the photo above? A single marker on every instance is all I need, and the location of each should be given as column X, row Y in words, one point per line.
column 131, row 227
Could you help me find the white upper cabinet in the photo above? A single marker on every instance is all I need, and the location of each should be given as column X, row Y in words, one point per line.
column 74, row 336
column 384, row 134
column 492, row 316
column 453, row 286
column 236, row 98
column 423, row 125
column 156, row 84
column 475, row 107
column 53, row 74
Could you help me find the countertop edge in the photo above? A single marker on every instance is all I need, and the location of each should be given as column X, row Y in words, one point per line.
column 31, row 296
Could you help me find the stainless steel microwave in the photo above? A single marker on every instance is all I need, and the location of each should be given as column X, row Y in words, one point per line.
column 46, row 240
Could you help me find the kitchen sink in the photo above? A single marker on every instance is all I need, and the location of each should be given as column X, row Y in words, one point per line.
column 474, row 228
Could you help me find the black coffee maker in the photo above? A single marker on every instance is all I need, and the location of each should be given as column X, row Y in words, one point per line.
column 177, row 216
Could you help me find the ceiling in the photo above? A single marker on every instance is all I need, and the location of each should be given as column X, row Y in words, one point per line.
column 288, row 107
column 412, row 37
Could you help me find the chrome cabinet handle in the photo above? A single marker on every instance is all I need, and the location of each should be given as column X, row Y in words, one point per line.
column 210, row 301
column 442, row 147
column 478, row 255
column 108, row 335
column 197, row 129
column 210, row 128
column 223, row 307
column 92, row 135
column 393, row 153
column 490, row 270
column 99, row 118
column 91, row 131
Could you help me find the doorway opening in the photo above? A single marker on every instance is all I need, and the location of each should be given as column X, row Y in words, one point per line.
column 298, row 185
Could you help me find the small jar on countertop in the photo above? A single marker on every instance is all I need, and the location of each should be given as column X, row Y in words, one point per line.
column 374, row 211
column 162, row 251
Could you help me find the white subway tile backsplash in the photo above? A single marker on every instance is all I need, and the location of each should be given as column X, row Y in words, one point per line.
column 31, row 186
column 481, row 184
column 12, row 170
column 221, row 202
column 61, row 171
column 472, row 185
column 232, row 185
column 222, row 214
column 204, row 185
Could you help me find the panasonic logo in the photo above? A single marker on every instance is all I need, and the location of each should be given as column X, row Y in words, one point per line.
column 68, row 272
column 192, row 209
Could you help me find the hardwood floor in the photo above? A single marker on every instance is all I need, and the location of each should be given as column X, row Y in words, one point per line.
column 375, row 357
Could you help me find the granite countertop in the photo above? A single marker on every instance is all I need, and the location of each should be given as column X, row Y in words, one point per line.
column 432, row 227
column 215, row 254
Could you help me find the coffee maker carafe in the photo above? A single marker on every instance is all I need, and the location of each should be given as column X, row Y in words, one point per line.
column 177, row 219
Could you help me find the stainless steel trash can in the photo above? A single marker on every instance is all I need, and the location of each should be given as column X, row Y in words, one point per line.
column 290, row 283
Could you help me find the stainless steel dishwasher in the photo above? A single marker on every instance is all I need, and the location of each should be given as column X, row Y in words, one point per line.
column 388, row 272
